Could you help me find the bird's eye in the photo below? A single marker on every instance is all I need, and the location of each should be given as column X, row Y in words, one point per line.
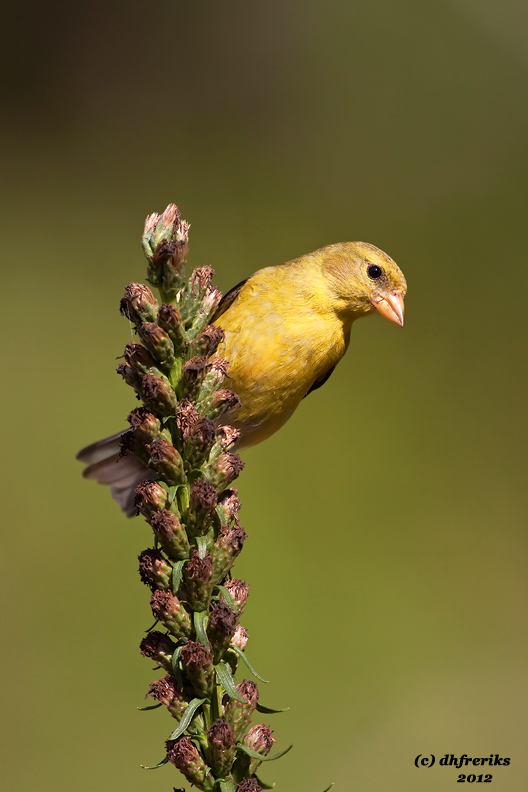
column 374, row 272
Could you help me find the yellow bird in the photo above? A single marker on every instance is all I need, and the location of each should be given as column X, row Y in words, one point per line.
column 286, row 328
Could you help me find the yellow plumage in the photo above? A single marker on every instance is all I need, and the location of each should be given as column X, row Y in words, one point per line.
column 286, row 328
column 289, row 326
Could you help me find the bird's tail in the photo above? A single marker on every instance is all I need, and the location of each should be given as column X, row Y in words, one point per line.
column 105, row 464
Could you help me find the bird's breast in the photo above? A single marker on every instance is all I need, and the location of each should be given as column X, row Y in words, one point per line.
column 274, row 358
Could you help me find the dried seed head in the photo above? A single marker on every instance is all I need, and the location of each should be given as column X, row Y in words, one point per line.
column 145, row 424
column 211, row 299
column 138, row 304
column 168, row 609
column 202, row 434
column 260, row 739
column 158, row 342
column 162, row 254
column 202, row 502
column 239, row 591
column 130, row 376
column 222, row 622
column 154, row 570
column 229, row 506
column 203, row 497
column 225, row 469
column 154, row 334
column 225, row 550
column 130, row 443
column 161, row 603
column 139, row 358
column 166, row 524
column 248, row 785
column 171, row 534
column 186, row 417
column 220, row 367
column 183, row 755
column 227, row 437
column 193, row 374
column 249, row 691
column 151, row 223
column 221, row 749
column 199, row 569
column 165, row 243
column 201, row 278
column 169, row 217
column 238, row 714
column 240, row 638
column 158, row 647
column 150, row 498
column 167, row 461
column 194, row 655
column 164, row 690
column 221, row 733
column 223, row 401
column 158, row 395
column 220, row 629
column 161, row 450
column 235, row 538
column 205, row 397
column 170, row 319
column 199, row 442
column 168, row 692
column 198, row 574
column 207, row 342
column 198, row 664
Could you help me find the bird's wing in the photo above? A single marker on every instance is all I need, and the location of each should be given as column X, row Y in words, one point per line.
column 227, row 300
column 320, row 381
column 101, row 450
column 122, row 473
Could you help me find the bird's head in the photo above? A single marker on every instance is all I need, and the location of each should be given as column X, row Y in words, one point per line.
column 364, row 279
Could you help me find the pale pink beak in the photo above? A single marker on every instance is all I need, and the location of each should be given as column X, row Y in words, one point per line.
column 390, row 305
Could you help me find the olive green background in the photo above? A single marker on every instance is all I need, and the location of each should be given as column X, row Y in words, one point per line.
column 387, row 551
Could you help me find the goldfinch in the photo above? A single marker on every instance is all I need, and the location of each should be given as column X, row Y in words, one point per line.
column 286, row 328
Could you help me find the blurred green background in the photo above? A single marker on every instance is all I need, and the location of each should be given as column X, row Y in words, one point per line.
column 387, row 550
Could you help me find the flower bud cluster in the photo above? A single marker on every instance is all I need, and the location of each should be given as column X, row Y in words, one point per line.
column 188, row 501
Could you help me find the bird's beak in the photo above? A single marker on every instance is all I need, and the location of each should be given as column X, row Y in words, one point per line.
column 390, row 305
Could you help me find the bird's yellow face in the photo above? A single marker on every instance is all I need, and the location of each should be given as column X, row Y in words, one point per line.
column 364, row 279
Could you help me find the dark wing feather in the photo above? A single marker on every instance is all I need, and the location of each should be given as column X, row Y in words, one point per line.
column 122, row 473
column 227, row 300
column 320, row 381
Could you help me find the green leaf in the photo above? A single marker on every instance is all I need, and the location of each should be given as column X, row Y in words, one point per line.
column 152, row 706
column 254, row 755
column 154, row 767
column 263, row 783
column 172, row 494
column 227, row 598
column 176, row 673
column 201, row 543
column 228, row 683
column 226, row 785
column 243, row 657
column 269, row 710
column 188, row 715
column 200, row 625
column 177, row 571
